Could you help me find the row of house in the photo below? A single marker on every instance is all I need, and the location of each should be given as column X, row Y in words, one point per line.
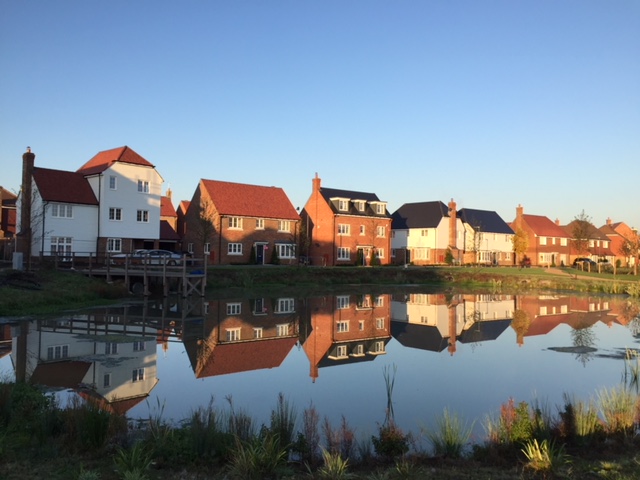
column 114, row 204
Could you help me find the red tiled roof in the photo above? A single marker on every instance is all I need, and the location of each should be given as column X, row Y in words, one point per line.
column 184, row 206
column 103, row 160
column 166, row 207
column 250, row 200
column 246, row 356
column 62, row 186
column 543, row 227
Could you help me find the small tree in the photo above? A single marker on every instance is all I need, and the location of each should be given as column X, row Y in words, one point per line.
column 630, row 248
column 520, row 242
column 448, row 257
column 581, row 232
column 204, row 227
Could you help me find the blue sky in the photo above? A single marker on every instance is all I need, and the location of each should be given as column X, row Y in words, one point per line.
column 492, row 103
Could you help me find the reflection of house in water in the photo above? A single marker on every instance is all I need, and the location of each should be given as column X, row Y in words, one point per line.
column 438, row 321
column 346, row 329
column 540, row 315
column 106, row 355
column 242, row 335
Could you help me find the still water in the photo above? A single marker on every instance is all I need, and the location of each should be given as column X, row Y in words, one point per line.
column 466, row 352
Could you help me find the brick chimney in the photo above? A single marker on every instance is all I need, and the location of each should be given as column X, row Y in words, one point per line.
column 316, row 183
column 519, row 213
column 609, row 221
column 24, row 242
column 453, row 215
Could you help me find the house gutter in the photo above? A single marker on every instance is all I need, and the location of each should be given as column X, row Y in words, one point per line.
column 99, row 212
column 220, row 237
column 44, row 218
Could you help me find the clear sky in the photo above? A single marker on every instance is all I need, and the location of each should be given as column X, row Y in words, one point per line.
column 493, row 103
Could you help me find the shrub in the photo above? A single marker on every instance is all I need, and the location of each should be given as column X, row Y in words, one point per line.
column 450, row 436
column 391, row 441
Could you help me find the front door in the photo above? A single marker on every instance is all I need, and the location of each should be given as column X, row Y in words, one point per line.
column 260, row 247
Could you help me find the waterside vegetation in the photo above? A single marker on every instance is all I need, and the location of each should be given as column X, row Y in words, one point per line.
column 596, row 438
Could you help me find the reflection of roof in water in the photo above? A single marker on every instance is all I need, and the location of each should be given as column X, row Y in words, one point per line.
column 238, row 357
column 424, row 337
column 484, row 330
column 326, row 361
column 68, row 374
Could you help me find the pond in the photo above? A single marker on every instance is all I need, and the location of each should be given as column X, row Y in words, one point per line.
column 469, row 353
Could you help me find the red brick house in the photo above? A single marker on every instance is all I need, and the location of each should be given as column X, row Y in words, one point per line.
column 597, row 246
column 7, row 222
column 345, row 227
column 618, row 233
column 236, row 223
column 549, row 244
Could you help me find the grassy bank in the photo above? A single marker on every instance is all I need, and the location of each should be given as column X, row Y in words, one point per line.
column 50, row 291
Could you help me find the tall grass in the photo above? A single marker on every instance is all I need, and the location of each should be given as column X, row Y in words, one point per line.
column 579, row 419
column 334, row 467
column 259, row 458
column 632, row 369
column 543, row 457
column 450, row 436
column 618, row 407
column 283, row 421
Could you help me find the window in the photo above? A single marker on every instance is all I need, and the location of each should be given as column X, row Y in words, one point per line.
column 143, row 186
column 378, row 347
column 285, row 305
column 234, row 308
column 379, row 301
column 234, row 249
column 282, row 330
column 207, row 248
column 393, row 253
column 257, row 332
column 344, row 253
column 421, row 253
column 543, row 240
column 342, row 302
column 284, row 226
column 379, row 323
column 361, row 325
column 115, row 214
column 380, row 209
column 113, row 185
column 380, row 231
column 286, row 250
column 343, row 205
column 190, row 247
column 139, row 346
column 259, row 223
column 342, row 326
column 114, row 245
column 424, row 232
column 380, row 252
column 259, row 307
column 61, row 245
column 110, row 348
column 344, row 229
column 57, row 352
column 233, row 334
column 563, row 242
column 359, row 205
column 358, row 350
column 106, row 380
column 235, row 223
column 341, row 351
column 142, row 216
column 61, row 211
column 137, row 375
column 362, row 230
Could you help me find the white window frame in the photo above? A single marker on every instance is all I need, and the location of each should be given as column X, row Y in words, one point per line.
column 380, row 208
column 106, row 380
column 234, row 308
column 61, row 210
column 342, row 302
column 190, row 247
column 381, row 231
column 110, row 348
column 114, row 245
column 207, row 248
column 363, row 230
column 235, row 223
column 380, row 253
column 143, row 186
column 233, row 334
column 61, row 246
column 344, row 253
column 342, row 326
column 257, row 332
column 234, row 248
column 341, row 351
column 284, row 226
column 282, row 330
column 377, row 347
column 115, row 214
column 285, row 305
column 137, row 375
column 343, row 205
column 139, row 346
column 344, row 229
column 57, row 352
column 358, row 350
column 113, row 182
column 259, row 223
column 380, row 323
column 543, row 240
column 360, row 205
column 286, row 250
column 142, row 216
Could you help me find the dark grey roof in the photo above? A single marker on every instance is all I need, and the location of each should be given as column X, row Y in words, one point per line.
column 484, row 221
column 329, row 193
column 419, row 215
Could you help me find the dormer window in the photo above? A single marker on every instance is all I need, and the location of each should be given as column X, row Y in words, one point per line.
column 379, row 208
column 343, row 205
column 359, row 205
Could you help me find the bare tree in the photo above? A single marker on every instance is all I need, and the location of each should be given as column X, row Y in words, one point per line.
column 630, row 248
column 204, row 225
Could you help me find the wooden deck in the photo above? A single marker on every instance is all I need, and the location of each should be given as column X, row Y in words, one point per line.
column 190, row 276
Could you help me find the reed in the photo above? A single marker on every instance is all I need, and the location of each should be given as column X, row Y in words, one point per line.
column 543, row 457
column 259, row 458
column 618, row 410
column 632, row 369
column 283, row 421
column 450, row 436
